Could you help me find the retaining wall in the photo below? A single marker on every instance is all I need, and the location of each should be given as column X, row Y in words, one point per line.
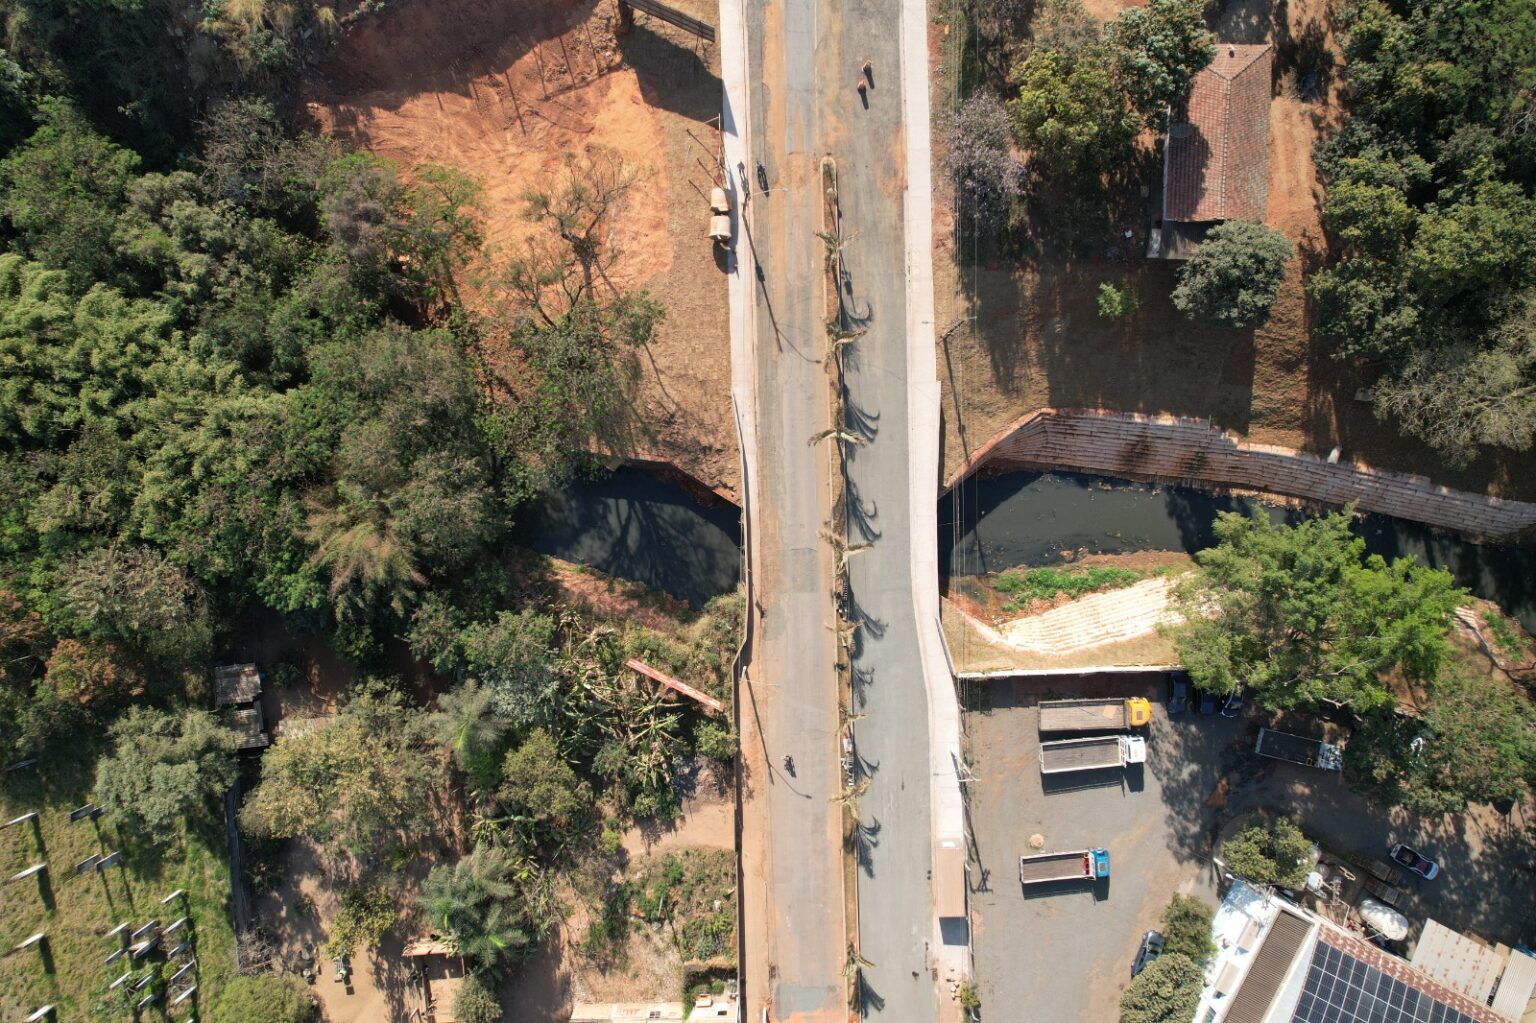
column 1190, row 452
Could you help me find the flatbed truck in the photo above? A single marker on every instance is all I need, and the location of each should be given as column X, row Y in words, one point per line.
column 1094, row 715
column 1093, row 753
column 1299, row 750
column 1078, row 865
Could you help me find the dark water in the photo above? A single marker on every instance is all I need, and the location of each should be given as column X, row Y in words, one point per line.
column 630, row 524
column 1027, row 518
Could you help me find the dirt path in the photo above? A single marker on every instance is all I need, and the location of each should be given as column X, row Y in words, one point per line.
column 1094, row 620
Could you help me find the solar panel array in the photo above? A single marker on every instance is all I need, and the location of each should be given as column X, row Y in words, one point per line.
column 1342, row 989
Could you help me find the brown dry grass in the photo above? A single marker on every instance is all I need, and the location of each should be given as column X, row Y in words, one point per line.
column 974, row 652
column 1017, row 337
column 504, row 91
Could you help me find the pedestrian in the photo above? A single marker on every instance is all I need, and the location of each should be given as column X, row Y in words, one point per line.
column 861, row 86
column 868, row 70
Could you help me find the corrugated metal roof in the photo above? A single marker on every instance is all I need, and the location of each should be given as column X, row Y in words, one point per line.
column 1516, row 986
column 1271, row 964
column 1456, row 961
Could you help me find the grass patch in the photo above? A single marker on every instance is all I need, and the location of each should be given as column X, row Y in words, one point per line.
column 693, row 893
column 1025, row 587
column 1504, row 636
column 77, row 911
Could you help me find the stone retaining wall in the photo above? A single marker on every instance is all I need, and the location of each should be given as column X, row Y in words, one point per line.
column 1190, row 452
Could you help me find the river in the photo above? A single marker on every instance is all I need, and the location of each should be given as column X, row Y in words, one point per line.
column 1029, row 518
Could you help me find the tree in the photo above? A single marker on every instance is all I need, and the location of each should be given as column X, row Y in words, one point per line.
column 511, row 656
column 1295, row 616
column 133, row 595
column 476, row 1002
column 357, row 782
column 1160, row 48
column 62, row 192
column 466, row 721
column 489, row 905
column 539, row 785
column 1476, row 743
column 367, row 913
column 266, row 998
column 1463, row 396
column 1270, row 852
column 1165, row 992
column 1070, row 114
column 1187, row 928
column 1232, row 279
column 978, row 154
column 164, row 769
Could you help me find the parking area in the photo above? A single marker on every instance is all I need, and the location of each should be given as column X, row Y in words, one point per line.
column 1063, row 951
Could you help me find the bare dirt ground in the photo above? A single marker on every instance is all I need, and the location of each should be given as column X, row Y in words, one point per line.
column 503, row 91
column 1016, row 337
column 297, row 913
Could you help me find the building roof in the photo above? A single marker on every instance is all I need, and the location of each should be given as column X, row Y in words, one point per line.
column 235, row 683
column 1270, row 967
column 249, row 727
column 1456, row 961
column 1216, row 165
column 1353, row 981
column 1516, row 986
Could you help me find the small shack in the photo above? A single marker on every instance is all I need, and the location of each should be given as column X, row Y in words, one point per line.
column 438, row 972
column 239, row 686
column 1216, row 155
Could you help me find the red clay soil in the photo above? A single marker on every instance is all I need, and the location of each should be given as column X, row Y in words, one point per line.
column 503, row 92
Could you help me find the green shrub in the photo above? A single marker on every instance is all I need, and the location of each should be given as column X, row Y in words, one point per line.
column 265, row 998
column 1116, row 303
column 1187, row 928
column 476, row 1003
column 1073, row 581
column 715, row 742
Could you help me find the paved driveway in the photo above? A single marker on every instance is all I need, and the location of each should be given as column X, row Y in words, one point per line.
column 1064, row 952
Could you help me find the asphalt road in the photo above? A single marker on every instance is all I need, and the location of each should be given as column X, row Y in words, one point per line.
column 793, row 840
column 804, row 60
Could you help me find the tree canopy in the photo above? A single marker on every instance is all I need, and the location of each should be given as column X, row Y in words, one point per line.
column 1269, row 852
column 1430, row 211
column 164, row 769
column 1298, row 615
column 1234, row 276
column 1475, row 743
column 1165, row 992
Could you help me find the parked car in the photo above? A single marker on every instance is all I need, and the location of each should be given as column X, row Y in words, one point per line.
column 1207, row 703
column 1232, row 706
column 1151, row 948
column 1413, row 860
column 1178, row 694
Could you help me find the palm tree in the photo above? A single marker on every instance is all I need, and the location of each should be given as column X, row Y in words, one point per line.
column 465, row 721
column 477, row 905
column 365, row 555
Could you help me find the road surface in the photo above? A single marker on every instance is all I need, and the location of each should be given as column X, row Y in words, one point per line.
column 802, row 60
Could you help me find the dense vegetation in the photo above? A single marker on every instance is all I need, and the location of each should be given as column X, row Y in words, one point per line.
column 1430, row 212
column 1165, row 992
column 1073, row 95
column 240, row 381
column 1299, row 617
column 1269, row 852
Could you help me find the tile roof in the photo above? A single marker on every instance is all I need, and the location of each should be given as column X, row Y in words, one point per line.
column 1216, row 166
column 1377, row 987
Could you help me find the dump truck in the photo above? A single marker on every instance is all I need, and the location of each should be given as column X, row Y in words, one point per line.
column 1299, row 750
column 1094, row 715
column 1092, row 753
column 1079, row 865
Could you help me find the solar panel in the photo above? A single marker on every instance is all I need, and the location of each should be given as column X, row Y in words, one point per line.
column 1342, row 989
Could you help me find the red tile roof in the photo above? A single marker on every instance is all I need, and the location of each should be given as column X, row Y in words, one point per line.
column 1217, row 162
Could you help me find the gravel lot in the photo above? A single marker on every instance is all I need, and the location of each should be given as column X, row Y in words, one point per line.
column 1063, row 952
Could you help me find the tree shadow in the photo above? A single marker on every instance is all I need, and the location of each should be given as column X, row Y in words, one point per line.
column 671, row 70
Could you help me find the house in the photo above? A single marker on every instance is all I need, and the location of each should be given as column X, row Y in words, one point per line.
column 1216, row 156
column 239, row 686
column 1280, row 963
